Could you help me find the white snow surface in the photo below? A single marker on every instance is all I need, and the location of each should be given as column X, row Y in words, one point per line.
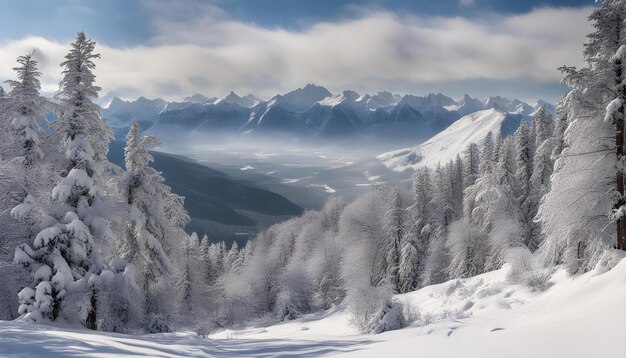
column 483, row 316
column 447, row 144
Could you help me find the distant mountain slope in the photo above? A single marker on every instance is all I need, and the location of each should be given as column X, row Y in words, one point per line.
column 223, row 207
column 454, row 140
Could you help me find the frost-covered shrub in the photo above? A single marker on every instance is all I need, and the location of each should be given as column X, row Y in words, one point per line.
column 609, row 260
column 116, row 296
column 526, row 269
column 410, row 312
column 77, row 302
column 158, row 323
column 295, row 295
column 390, row 317
column 364, row 303
column 13, row 279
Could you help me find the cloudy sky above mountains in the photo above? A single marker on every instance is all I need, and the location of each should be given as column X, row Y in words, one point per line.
column 170, row 49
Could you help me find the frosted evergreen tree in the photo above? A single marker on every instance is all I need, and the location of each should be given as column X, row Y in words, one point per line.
column 445, row 214
column 523, row 174
column 188, row 282
column 467, row 249
column 207, row 265
column 471, row 164
column 486, row 155
column 583, row 214
column 151, row 226
column 561, row 126
column 497, row 149
column 485, row 171
column 67, row 251
column 544, row 126
column 542, row 170
column 457, row 185
column 395, row 223
column 437, row 259
column 413, row 254
column 494, row 212
column 232, row 258
column 26, row 110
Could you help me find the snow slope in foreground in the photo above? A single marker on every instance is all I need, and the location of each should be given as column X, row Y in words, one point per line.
column 481, row 316
column 453, row 140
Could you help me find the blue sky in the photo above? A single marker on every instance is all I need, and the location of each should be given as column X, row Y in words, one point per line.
column 127, row 22
column 223, row 36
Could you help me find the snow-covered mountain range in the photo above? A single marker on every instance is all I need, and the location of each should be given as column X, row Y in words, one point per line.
column 444, row 146
column 311, row 112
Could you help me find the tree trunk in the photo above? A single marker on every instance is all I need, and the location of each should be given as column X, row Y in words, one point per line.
column 91, row 322
column 619, row 149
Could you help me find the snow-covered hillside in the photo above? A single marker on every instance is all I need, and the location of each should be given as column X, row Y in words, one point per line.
column 444, row 146
column 482, row 316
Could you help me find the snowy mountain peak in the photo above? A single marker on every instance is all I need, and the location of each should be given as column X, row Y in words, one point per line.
column 347, row 96
column 548, row 107
column 301, row 99
column 200, row 99
column 380, row 100
column 350, row 95
column 453, row 140
column 469, row 105
column 105, row 101
column 429, row 103
column 245, row 101
column 439, row 100
column 508, row 105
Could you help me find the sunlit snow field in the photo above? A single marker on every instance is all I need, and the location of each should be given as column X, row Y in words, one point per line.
column 477, row 317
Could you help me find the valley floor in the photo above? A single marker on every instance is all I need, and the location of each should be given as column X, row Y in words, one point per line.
column 481, row 316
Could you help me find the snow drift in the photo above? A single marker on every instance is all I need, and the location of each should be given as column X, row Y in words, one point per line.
column 482, row 316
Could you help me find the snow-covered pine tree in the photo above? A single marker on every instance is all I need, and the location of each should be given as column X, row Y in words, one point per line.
column 497, row 149
column 66, row 252
column 232, row 257
column 467, row 241
column 466, row 248
column 561, row 126
column 395, row 226
column 207, row 265
column 188, row 282
column 495, row 212
column 542, row 170
column 523, row 174
column 150, row 226
column 457, row 185
column 26, row 109
column 483, row 181
column 443, row 189
column 544, row 126
column 486, row 155
column 583, row 214
column 437, row 259
column 413, row 254
column 471, row 165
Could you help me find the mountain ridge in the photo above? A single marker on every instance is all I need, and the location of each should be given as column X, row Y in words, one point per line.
column 311, row 112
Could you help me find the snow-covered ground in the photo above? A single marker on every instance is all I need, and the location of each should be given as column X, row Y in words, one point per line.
column 583, row 316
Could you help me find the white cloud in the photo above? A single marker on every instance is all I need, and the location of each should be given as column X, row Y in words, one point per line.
column 466, row 2
column 213, row 54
